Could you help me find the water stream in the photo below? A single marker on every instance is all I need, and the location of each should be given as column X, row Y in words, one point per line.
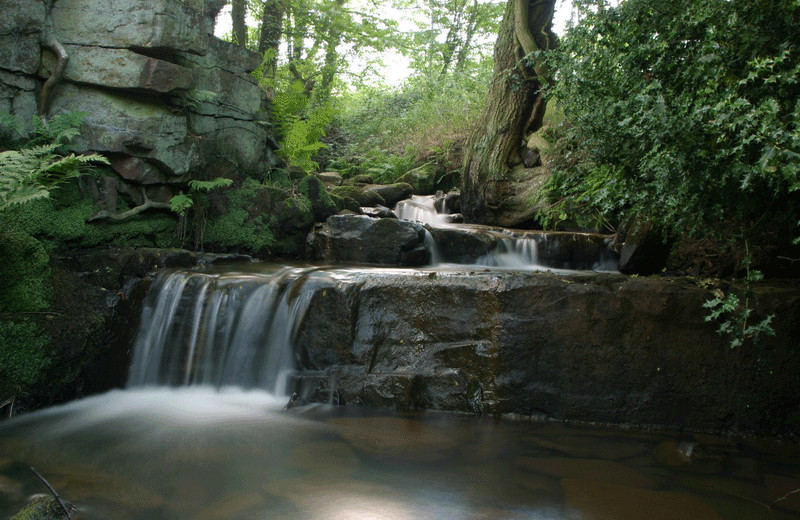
column 505, row 248
column 199, row 453
column 200, row 433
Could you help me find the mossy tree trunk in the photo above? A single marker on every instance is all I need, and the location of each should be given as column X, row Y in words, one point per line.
column 514, row 107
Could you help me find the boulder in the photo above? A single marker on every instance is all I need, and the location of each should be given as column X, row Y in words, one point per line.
column 345, row 203
column 361, row 239
column 330, row 179
column 362, row 195
column 321, row 203
column 362, row 178
column 378, row 212
column 44, row 507
column 392, row 193
column 142, row 127
column 587, row 347
column 422, row 179
column 164, row 99
column 157, row 26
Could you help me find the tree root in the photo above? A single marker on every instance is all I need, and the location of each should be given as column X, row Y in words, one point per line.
column 57, row 75
column 147, row 204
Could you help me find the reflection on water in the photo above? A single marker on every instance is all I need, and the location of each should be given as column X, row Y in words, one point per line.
column 195, row 453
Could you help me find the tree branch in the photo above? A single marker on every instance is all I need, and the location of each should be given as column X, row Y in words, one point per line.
column 53, row 491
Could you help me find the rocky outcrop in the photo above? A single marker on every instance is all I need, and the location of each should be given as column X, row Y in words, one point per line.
column 164, row 99
column 364, row 240
column 392, row 193
column 601, row 348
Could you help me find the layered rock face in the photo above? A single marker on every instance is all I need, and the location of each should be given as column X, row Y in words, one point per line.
column 164, row 99
column 601, row 348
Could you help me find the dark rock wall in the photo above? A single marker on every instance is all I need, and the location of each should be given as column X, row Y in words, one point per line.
column 599, row 348
column 165, row 100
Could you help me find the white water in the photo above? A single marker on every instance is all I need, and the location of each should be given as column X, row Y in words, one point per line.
column 420, row 209
column 221, row 330
column 518, row 250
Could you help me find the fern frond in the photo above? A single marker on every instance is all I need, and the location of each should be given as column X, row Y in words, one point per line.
column 219, row 182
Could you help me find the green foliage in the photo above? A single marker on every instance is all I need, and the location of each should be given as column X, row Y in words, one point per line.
column 386, row 132
column 684, row 113
column 236, row 229
column 301, row 124
column 182, row 202
column 732, row 313
column 24, row 358
column 24, row 273
column 32, row 171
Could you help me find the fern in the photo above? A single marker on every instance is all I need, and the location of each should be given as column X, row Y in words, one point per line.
column 180, row 204
column 30, row 173
column 219, row 182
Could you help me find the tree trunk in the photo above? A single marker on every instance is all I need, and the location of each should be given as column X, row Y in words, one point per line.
column 493, row 150
column 238, row 14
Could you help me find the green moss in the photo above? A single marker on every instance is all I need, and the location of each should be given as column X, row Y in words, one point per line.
column 343, row 203
column 24, row 357
column 237, row 228
column 62, row 220
column 24, row 273
column 321, row 202
column 360, row 195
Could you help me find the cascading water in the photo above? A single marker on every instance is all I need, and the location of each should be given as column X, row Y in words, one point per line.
column 221, row 329
column 420, row 209
column 519, row 250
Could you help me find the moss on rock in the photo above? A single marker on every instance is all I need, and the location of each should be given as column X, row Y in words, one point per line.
column 364, row 197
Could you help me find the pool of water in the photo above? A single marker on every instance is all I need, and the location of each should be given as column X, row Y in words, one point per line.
column 200, row 454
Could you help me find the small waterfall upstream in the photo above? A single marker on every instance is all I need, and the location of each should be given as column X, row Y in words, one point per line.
column 465, row 244
column 221, row 329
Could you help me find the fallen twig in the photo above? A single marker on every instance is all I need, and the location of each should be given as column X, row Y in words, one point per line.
column 54, row 493
column 785, row 497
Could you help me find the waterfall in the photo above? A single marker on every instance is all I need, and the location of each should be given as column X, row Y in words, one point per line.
column 221, row 329
column 420, row 209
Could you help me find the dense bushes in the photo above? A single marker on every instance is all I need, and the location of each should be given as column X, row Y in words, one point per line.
column 684, row 113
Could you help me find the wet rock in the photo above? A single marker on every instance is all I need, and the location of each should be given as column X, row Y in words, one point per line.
column 392, row 193
column 493, row 342
column 378, row 212
column 361, row 239
column 448, row 203
column 44, row 508
column 460, row 246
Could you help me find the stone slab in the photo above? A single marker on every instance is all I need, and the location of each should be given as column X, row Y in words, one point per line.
column 120, row 69
column 159, row 25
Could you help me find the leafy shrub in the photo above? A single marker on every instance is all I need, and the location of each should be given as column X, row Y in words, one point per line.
column 684, row 113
